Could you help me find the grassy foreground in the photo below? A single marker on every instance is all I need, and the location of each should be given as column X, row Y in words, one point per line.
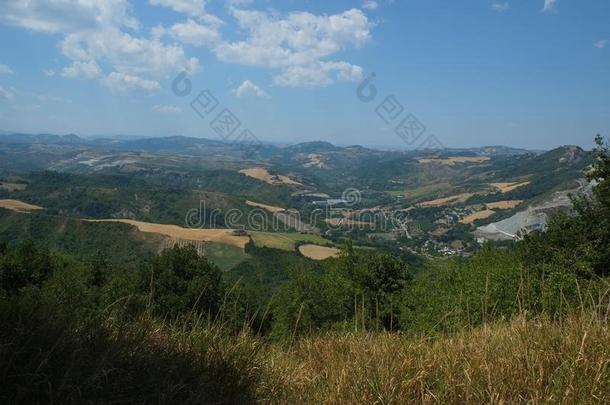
column 516, row 362
column 520, row 361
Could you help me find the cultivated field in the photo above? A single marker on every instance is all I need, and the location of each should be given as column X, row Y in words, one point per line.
column 316, row 252
column 264, row 175
column 223, row 236
column 506, row 187
column 469, row 219
column 447, row 200
column 269, row 208
column 503, row 205
column 12, row 186
column 346, row 222
column 19, row 206
column 284, row 241
column 450, row 161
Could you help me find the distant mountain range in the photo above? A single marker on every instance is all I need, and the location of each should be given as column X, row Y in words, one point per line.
column 184, row 144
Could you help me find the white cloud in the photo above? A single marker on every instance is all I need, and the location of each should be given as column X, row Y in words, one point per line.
column 247, row 88
column 370, row 5
column 6, row 94
column 48, row 72
column 601, row 44
column 166, row 109
column 4, row 69
column 128, row 54
column 99, row 37
column 100, row 33
column 500, row 7
column 121, row 82
column 296, row 44
column 65, row 15
column 549, row 6
column 82, row 70
column 193, row 33
column 191, row 7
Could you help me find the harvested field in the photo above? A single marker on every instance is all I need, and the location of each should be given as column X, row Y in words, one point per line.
column 506, row 187
column 269, row 208
column 447, row 200
column 316, row 252
column 346, row 222
column 12, row 186
column 223, row 236
column 503, row 205
column 263, row 175
column 469, row 219
column 19, row 206
column 450, row 161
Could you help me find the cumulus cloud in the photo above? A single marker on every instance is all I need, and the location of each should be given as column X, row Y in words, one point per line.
column 247, row 88
column 549, row 6
column 370, row 5
column 121, row 82
column 296, row 44
column 601, row 44
column 500, row 7
column 4, row 69
column 82, row 70
column 191, row 7
column 196, row 34
column 166, row 109
column 102, row 36
column 101, row 33
column 66, row 16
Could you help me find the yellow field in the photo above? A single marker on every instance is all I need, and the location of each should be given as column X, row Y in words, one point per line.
column 446, row 200
column 450, row 161
column 263, row 175
column 269, row 208
column 223, row 236
column 506, row 187
column 503, row 205
column 19, row 206
column 284, row 240
column 469, row 219
column 316, row 252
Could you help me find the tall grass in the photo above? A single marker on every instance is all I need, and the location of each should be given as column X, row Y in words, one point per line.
column 533, row 361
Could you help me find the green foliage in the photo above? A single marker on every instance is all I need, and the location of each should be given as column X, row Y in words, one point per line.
column 179, row 280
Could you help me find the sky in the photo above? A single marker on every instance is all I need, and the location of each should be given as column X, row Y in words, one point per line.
column 528, row 73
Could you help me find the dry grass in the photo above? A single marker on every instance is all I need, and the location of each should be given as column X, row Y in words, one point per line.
column 316, row 252
column 503, row 205
column 264, row 175
column 269, row 208
column 469, row 219
column 451, row 161
column 19, row 206
column 447, row 200
column 506, row 187
column 223, row 236
column 516, row 362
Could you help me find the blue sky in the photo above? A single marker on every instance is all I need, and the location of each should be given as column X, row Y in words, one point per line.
column 529, row 73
